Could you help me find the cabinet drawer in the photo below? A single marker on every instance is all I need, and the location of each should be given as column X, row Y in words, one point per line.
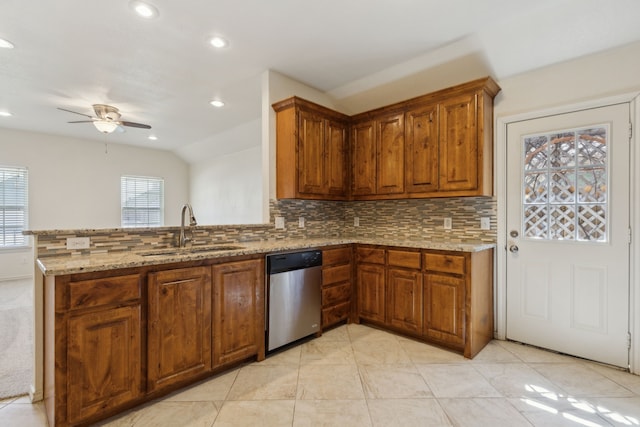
column 445, row 263
column 335, row 314
column 336, row 256
column 109, row 290
column 336, row 294
column 371, row 255
column 404, row 259
column 337, row 274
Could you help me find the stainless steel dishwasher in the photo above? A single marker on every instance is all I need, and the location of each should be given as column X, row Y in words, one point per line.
column 294, row 296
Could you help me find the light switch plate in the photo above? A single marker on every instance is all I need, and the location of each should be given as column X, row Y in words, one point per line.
column 280, row 222
column 301, row 222
column 356, row 221
column 78, row 242
column 485, row 223
column 447, row 224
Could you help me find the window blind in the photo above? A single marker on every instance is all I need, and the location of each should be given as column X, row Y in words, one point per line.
column 13, row 205
column 142, row 201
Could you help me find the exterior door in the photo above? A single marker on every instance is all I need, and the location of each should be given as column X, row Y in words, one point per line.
column 568, row 233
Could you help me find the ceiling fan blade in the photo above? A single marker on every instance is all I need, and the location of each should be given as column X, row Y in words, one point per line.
column 135, row 125
column 75, row 112
column 82, row 121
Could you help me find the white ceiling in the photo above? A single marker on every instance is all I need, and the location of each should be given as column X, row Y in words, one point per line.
column 75, row 53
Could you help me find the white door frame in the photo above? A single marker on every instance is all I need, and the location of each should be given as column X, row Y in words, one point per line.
column 500, row 138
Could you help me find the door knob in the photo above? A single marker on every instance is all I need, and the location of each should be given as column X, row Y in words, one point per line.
column 513, row 249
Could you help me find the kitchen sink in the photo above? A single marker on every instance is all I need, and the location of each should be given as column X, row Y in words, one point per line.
column 186, row 251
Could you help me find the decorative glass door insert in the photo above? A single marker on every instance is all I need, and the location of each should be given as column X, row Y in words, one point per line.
column 564, row 192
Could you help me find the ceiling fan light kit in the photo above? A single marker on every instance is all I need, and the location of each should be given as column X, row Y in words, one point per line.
column 105, row 126
column 107, row 120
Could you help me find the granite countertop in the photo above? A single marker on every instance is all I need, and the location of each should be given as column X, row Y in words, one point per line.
column 61, row 265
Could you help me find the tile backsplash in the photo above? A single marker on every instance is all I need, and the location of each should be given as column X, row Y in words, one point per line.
column 413, row 219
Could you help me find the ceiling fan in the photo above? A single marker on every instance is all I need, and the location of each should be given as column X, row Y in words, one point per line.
column 107, row 120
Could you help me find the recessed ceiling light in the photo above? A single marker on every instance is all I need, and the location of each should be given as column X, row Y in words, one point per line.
column 217, row 103
column 153, row 137
column 143, row 9
column 6, row 44
column 5, row 114
column 218, row 42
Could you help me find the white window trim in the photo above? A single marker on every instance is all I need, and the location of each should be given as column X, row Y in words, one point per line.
column 141, row 180
column 25, row 240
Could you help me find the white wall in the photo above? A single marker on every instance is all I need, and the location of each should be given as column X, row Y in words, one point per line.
column 74, row 184
column 595, row 76
column 228, row 189
column 16, row 264
column 226, row 176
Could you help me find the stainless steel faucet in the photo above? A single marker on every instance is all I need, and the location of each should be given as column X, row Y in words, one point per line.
column 183, row 239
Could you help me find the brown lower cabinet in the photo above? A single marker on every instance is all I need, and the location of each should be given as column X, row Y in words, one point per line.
column 178, row 326
column 110, row 339
column 337, row 286
column 118, row 338
column 238, row 319
column 442, row 297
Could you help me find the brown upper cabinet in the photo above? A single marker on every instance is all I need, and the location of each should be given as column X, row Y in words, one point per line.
column 312, row 151
column 378, row 156
column 435, row 145
column 445, row 154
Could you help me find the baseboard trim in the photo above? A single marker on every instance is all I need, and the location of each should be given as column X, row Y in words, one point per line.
column 8, row 279
column 35, row 395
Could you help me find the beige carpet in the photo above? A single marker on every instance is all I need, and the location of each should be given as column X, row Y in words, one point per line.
column 16, row 337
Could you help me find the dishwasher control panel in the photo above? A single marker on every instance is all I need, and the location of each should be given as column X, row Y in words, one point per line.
column 278, row 263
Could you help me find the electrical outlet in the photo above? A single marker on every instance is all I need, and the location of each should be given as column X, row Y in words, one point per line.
column 280, row 222
column 485, row 223
column 356, row 221
column 447, row 224
column 78, row 242
column 301, row 222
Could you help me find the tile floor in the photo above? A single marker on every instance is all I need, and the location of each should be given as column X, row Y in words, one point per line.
column 359, row 376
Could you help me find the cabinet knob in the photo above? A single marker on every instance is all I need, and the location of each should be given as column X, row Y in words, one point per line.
column 513, row 249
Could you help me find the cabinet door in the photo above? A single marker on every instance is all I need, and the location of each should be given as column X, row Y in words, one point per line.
column 458, row 144
column 336, row 158
column 179, row 343
column 371, row 295
column 390, row 154
column 238, row 320
column 444, row 309
column 421, row 172
column 104, row 361
column 364, row 158
column 405, row 299
column 311, row 161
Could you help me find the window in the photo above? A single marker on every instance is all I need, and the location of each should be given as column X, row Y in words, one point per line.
column 565, row 185
column 142, row 201
column 13, row 206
